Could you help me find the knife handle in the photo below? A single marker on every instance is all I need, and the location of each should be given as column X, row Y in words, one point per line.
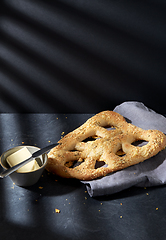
column 14, row 168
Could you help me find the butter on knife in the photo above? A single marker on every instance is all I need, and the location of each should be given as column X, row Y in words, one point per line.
column 20, row 156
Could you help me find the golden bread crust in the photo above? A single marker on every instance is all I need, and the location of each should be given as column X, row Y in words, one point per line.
column 104, row 148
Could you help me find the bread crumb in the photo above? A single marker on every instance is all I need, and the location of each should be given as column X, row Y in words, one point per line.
column 157, row 208
column 121, row 216
column 147, row 194
column 57, row 210
column 40, row 187
column 121, row 204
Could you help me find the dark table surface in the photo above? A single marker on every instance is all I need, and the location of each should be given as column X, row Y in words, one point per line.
column 29, row 213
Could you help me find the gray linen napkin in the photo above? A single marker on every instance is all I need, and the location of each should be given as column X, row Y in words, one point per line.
column 151, row 172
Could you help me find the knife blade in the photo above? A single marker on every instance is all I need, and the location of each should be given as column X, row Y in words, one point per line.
column 34, row 155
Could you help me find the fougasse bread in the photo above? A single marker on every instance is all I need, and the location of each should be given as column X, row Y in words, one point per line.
column 102, row 145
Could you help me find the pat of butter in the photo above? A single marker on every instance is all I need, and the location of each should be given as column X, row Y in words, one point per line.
column 20, row 156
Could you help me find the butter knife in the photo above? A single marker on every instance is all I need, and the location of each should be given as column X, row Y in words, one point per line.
column 34, row 155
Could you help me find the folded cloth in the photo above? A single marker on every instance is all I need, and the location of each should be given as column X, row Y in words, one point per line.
column 151, row 172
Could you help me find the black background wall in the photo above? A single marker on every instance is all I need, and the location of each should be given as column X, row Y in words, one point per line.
column 81, row 55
